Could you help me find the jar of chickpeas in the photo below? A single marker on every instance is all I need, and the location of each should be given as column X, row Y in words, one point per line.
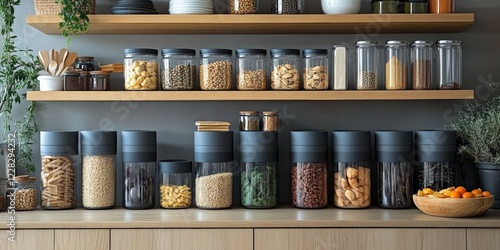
column 141, row 69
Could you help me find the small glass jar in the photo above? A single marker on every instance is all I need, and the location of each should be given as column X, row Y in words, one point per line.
column 249, row 121
column 286, row 65
column 139, row 169
column 309, row 161
column 449, row 64
column 366, row 65
column 141, row 69
column 287, row 6
column 216, row 69
column 3, row 194
column 441, row 6
column 421, row 65
column 251, row 71
column 243, row 6
column 385, row 7
column 315, row 73
column 270, row 121
column 100, row 80
column 25, row 193
column 397, row 56
column 71, row 81
column 416, row 7
column 213, row 156
column 98, row 169
column 58, row 152
column 85, row 80
column 85, row 63
column 175, row 183
column 178, row 69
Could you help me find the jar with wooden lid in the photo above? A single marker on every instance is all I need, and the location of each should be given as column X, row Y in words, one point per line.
column 141, row 69
column 25, row 193
column 270, row 121
column 249, row 120
column 85, row 63
column 100, row 80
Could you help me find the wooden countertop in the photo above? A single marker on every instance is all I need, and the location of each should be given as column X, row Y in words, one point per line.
column 282, row 217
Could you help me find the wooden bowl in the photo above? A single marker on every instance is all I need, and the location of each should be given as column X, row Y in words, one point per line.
column 453, row 207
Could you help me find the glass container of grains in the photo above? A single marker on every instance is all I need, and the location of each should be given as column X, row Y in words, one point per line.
column 85, row 63
column 85, row 80
column 178, row 70
column 309, row 158
column 249, row 120
column 395, row 172
column 449, row 64
column 421, row 65
column 100, row 80
column 287, row 6
column 25, row 193
column 270, row 121
column 213, row 154
column 58, row 151
column 141, row 69
column 71, row 81
column 98, row 169
column 3, row 194
column 251, row 70
column 351, row 168
column 286, row 73
column 175, row 183
column 315, row 73
column 259, row 169
column 397, row 57
column 216, row 69
column 139, row 168
column 366, row 65
column 243, row 6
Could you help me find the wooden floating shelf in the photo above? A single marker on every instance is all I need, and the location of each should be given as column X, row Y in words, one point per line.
column 329, row 95
column 107, row 24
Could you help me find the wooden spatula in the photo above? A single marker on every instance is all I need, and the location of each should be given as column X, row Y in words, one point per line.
column 44, row 58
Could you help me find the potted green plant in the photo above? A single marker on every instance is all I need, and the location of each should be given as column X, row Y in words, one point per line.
column 478, row 134
column 74, row 15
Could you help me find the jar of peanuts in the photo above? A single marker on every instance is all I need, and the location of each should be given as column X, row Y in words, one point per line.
column 58, row 151
column 351, row 168
column 141, row 69
column 175, row 183
column 285, row 74
column 25, row 193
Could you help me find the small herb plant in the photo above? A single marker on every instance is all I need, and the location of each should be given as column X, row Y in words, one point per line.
column 74, row 14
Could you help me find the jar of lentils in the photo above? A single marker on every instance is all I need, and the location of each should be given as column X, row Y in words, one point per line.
column 251, row 69
column 286, row 65
column 216, row 69
column 141, row 69
column 178, row 71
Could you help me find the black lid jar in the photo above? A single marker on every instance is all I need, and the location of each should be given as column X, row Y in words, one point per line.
column 178, row 69
column 175, row 183
column 251, row 72
column 216, row 69
column 315, row 69
column 141, row 69
column 285, row 74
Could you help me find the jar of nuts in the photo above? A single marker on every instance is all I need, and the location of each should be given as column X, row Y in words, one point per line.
column 309, row 160
column 251, row 70
column 249, row 120
column 175, row 183
column 216, row 69
column 98, row 169
column 351, row 178
column 141, row 69
column 286, row 65
column 178, row 71
column 315, row 74
column 366, row 65
column 3, row 194
column 25, row 193
column 242, row 6
column 58, row 150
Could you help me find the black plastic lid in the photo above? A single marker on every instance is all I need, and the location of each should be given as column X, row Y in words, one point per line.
column 216, row 51
column 436, row 145
column 58, row 142
column 309, row 146
column 393, row 146
column 251, row 51
column 309, row 52
column 351, row 146
column 138, row 146
column 190, row 52
column 141, row 51
column 175, row 166
column 138, row 137
column 258, row 146
column 98, row 142
column 213, row 146
column 285, row 52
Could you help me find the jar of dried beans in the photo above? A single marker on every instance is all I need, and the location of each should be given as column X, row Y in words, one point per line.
column 178, row 71
column 216, row 69
column 366, row 65
column 315, row 69
column 25, row 193
column 175, row 183
column 251, row 73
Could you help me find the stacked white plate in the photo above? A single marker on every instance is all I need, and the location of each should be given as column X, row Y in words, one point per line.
column 189, row 7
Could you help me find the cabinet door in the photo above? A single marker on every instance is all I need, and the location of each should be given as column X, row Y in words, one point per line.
column 95, row 239
column 28, row 240
column 360, row 239
column 483, row 239
column 160, row 239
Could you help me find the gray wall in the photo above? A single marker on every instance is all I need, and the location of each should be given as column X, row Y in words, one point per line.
column 174, row 121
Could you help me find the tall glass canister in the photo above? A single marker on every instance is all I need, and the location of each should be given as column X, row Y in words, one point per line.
column 397, row 58
column 422, row 56
column 449, row 64
column 175, row 183
column 58, row 150
column 98, row 169
column 259, row 169
column 213, row 155
column 366, row 65
column 309, row 162
column 351, row 168
column 395, row 172
column 139, row 168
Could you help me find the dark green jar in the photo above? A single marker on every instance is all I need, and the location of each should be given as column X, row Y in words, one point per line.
column 416, row 7
column 385, row 7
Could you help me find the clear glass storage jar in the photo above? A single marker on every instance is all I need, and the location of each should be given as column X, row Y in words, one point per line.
column 213, row 154
column 141, row 69
column 175, row 183
column 100, row 80
column 316, row 69
column 449, row 64
column 422, row 56
column 366, row 65
column 71, row 80
column 3, row 195
column 287, row 6
column 259, row 169
column 385, row 7
column 441, row 6
column 178, row 71
column 351, row 169
column 139, row 168
column 251, row 73
column 243, row 6
column 249, row 120
column 84, row 80
column 397, row 58
column 98, row 169
column 216, row 69
column 25, row 193
column 309, row 161
column 285, row 74
column 58, row 151
column 270, row 121
column 416, row 7
column 85, row 63
column 395, row 172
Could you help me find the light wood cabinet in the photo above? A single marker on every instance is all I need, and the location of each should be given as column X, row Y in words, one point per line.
column 483, row 239
column 28, row 240
column 95, row 239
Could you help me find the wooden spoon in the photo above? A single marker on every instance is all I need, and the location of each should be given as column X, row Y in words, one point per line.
column 44, row 57
column 61, row 56
column 70, row 59
column 52, row 67
column 62, row 63
column 51, row 55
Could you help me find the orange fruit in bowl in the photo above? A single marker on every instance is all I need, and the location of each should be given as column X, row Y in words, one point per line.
column 486, row 194
column 467, row 195
column 476, row 191
column 455, row 194
column 460, row 189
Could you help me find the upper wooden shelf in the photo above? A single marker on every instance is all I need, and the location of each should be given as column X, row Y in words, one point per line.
column 349, row 95
column 264, row 23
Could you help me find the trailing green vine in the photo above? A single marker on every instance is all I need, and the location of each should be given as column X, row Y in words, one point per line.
column 74, row 14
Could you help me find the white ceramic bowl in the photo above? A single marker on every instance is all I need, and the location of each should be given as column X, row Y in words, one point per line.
column 50, row 83
column 341, row 6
